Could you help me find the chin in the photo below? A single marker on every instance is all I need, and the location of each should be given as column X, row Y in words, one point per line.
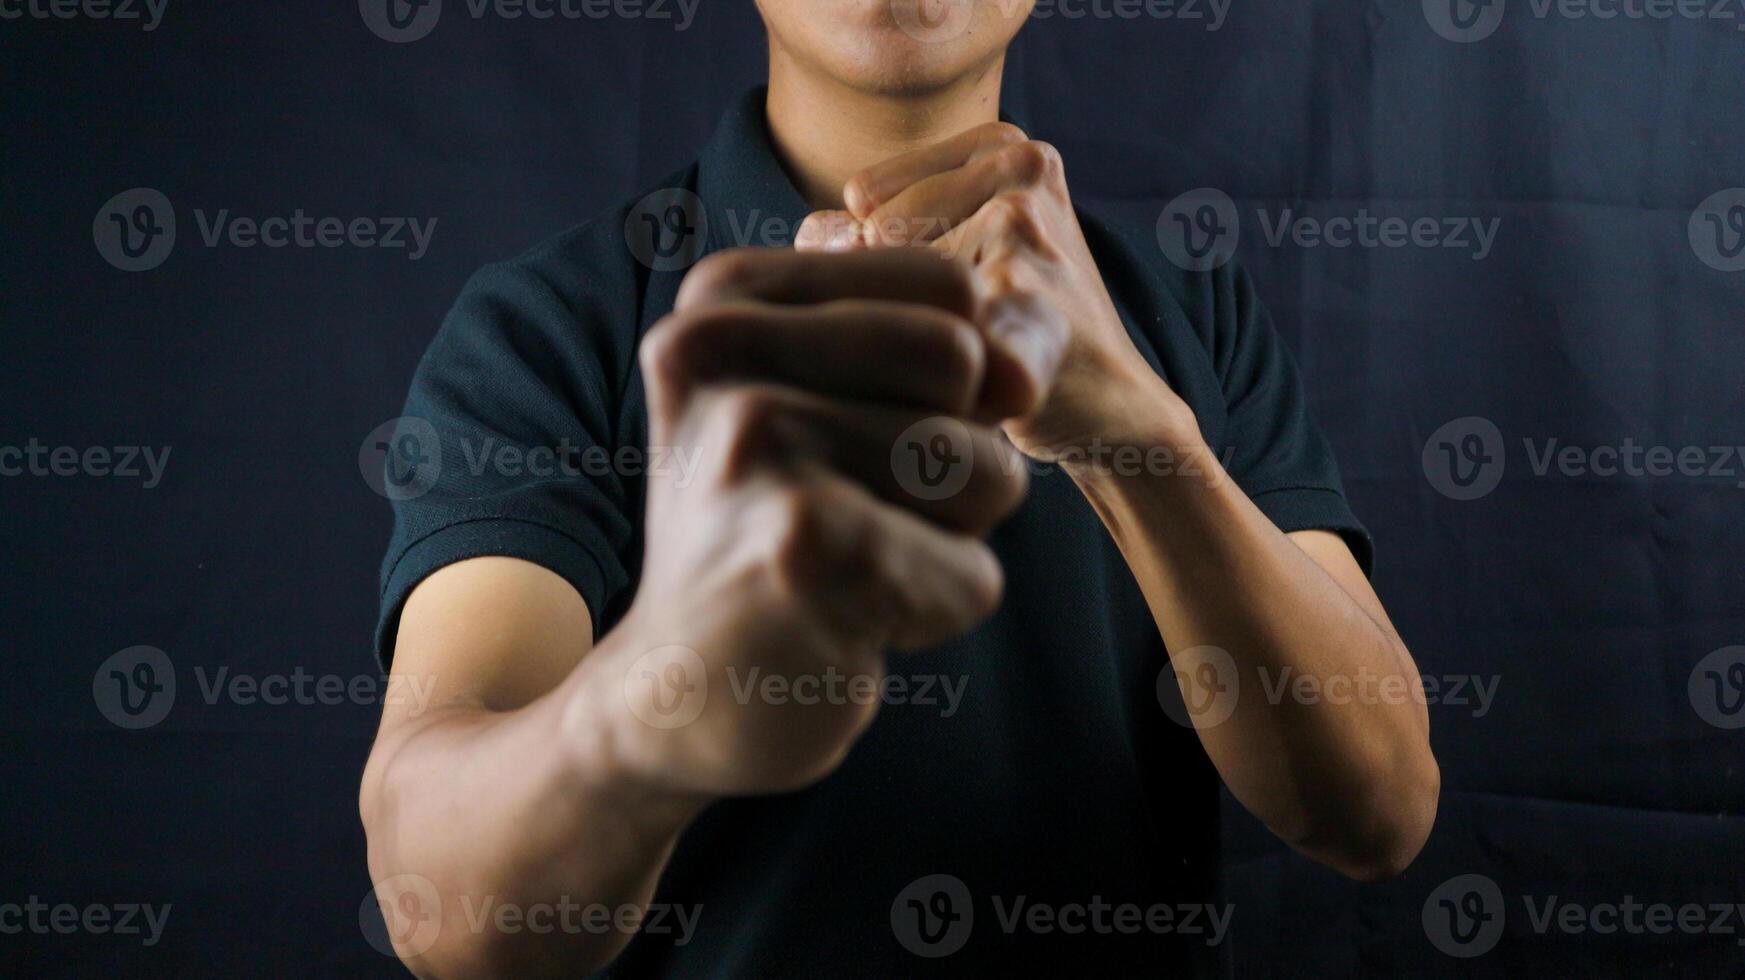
column 897, row 47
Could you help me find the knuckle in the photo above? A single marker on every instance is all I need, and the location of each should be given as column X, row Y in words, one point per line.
column 858, row 192
column 1047, row 158
column 797, row 530
column 983, row 589
column 1004, row 132
column 673, row 345
column 1015, row 212
column 1013, row 484
column 820, row 544
column 957, row 352
column 746, row 410
column 1030, row 161
column 661, row 351
column 716, row 275
column 748, row 420
column 960, row 281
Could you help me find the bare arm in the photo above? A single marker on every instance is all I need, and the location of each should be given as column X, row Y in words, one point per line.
column 499, row 789
column 1352, row 784
column 546, row 772
column 1342, row 772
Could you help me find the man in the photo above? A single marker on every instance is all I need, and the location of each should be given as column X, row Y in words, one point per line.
column 662, row 684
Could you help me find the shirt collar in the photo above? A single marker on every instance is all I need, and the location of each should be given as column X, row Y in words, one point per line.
column 747, row 196
column 745, row 191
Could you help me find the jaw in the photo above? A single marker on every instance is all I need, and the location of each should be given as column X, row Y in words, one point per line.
column 894, row 48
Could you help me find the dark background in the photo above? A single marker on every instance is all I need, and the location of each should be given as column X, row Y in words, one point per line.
column 1588, row 600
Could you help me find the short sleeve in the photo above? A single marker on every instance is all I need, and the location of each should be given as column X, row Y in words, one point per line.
column 506, row 447
column 1272, row 447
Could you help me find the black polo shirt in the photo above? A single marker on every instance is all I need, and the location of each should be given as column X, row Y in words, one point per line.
column 1024, row 801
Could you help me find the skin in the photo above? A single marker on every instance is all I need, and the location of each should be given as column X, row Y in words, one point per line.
column 944, row 275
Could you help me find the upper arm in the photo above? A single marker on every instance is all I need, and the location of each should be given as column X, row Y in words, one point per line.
column 1330, row 551
column 491, row 634
column 509, row 446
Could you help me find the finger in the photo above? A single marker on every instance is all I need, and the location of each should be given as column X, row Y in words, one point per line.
column 1027, row 340
column 828, row 231
column 958, row 475
column 928, row 584
column 795, row 277
column 879, row 183
column 932, row 206
column 1008, row 222
column 862, row 350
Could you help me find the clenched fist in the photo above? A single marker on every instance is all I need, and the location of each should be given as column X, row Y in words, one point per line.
column 805, row 542
column 998, row 200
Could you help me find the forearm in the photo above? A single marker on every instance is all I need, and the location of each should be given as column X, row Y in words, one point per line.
column 519, row 810
column 1342, row 778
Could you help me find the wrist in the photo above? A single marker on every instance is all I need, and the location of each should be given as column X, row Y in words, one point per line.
column 1144, row 429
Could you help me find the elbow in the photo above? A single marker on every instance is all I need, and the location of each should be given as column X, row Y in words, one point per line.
column 1377, row 831
column 439, row 918
column 1392, row 827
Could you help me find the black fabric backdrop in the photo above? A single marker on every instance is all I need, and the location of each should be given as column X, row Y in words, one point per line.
column 1595, row 772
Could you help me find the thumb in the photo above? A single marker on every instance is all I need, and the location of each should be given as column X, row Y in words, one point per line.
column 829, row 231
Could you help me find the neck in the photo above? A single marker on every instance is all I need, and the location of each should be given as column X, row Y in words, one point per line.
column 826, row 132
